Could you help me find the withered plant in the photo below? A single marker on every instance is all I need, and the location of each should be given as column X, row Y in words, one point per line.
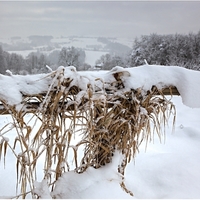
column 109, row 119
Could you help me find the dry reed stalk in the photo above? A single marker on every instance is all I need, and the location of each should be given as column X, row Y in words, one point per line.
column 110, row 120
column 122, row 122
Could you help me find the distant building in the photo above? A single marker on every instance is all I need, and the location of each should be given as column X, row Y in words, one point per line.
column 98, row 67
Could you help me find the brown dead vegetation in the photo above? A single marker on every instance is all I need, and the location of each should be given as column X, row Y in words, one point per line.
column 110, row 120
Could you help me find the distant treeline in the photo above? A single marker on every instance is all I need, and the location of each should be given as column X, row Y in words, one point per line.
column 18, row 44
column 114, row 47
column 36, row 62
column 176, row 49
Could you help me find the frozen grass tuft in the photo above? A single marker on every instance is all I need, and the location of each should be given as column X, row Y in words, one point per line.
column 109, row 119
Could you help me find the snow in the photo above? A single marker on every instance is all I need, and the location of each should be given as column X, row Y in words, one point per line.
column 93, row 56
column 41, row 189
column 77, row 42
column 169, row 169
column 143, row 77
column 73, row 185
column 12, row 87
column 185, row 80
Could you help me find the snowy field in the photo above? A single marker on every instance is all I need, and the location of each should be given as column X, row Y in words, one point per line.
column 167, row 169
column 92, row 56
column 77, row 42
column 93, row 48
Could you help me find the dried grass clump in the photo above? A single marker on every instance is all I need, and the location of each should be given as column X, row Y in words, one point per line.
column 122, row 121
column 109, row 120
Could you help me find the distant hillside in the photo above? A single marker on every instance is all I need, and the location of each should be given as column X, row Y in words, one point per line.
column 35, row 42
column 38, row 40
column 117, row 48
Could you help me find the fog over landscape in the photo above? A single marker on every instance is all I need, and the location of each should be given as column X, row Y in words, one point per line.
column 99, row 33
column 125, row 19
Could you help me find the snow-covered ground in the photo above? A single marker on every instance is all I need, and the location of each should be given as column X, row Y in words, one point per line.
column 78, row 42
column 169, row 169
column 165, row 170
column 92, row 56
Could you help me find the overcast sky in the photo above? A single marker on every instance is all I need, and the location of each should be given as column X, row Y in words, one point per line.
column 98, row 18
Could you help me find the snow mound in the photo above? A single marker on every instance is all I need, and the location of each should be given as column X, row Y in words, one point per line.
column 91, row 183
column 13, row 87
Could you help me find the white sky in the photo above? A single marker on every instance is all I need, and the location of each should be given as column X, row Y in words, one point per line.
column 98, row 18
